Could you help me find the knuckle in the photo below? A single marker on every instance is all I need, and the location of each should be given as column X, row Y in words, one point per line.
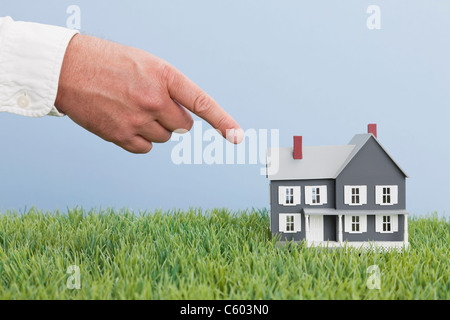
column 138, row 146
column 156, row 103
column 153, row 101
column 190, row 124
column 164, row 139
column 202, row 105
column 166, row 72
column 221, row 123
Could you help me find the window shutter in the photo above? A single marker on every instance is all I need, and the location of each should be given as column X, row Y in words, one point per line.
column 282, row 196
column 378, row 223
column 363, row 223
column 394, row 223
column 347, row 223
column 323, row 195
column 347, row 194
column 378, row 194
column 308, row 195
column 297, row 223
column 297, row 195
column 394, row 194
column 363, row 194
column 282, row 223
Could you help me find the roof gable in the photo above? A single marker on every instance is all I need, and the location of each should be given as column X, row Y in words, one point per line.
column 319, row 162
column 359, row 141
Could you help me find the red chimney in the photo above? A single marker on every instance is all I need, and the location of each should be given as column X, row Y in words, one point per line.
column 373, row 129
column 298, row 148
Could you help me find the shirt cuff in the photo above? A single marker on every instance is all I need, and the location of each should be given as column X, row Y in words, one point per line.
column 31, row 57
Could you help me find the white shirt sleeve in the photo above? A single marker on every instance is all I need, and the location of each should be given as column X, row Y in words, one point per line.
column 31, row 56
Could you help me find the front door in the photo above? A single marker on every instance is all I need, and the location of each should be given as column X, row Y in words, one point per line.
column 316, row 228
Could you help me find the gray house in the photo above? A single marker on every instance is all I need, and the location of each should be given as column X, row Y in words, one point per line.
column 352, row 195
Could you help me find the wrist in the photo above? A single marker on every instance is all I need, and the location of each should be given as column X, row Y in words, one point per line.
column 67, row 69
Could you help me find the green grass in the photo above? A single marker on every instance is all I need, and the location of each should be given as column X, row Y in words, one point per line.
column 204, row 255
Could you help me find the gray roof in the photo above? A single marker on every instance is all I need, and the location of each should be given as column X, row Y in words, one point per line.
column 359, row 141
column 334, row 212
column 321, row 162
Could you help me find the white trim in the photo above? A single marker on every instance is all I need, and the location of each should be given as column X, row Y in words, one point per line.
column 347, row 195
column 405, row 231
column 282, row 195
column 297, row 223
column 296, row 193
column 393, row 195
column 362, row 195
column 380, row 246
column 282, row 222
column 307, row 230
column 297, row 196
column 323, row 194
column 308, row 195
column 362, row 222
column 347, row 223
column 393, row 223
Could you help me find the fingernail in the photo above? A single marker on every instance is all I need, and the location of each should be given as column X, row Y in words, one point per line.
column 181, row 131
column 235, row 135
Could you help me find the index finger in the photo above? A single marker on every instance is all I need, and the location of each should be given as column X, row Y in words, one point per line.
column 192, row 97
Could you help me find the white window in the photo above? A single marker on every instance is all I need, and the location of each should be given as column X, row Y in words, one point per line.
column 386, row 195
column 316, row 195
column 288, row 196
column 386, row 224
column 355, row 195
column 356, row 224
column 356, row 198
column 290, row 222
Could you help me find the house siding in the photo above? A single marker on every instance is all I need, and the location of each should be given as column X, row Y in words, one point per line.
column 371, row 166
column 276, row 208
column 372, row 235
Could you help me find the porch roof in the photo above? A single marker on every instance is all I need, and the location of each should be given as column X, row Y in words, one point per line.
column 335, row 212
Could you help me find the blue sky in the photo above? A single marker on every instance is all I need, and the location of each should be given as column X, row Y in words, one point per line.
column 310, row 68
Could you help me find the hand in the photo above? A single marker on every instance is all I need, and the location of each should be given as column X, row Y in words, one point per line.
column 132, row 98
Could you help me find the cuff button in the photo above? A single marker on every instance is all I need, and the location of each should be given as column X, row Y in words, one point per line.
column 23, row 101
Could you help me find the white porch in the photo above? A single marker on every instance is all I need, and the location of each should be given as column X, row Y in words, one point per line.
column 314, row 233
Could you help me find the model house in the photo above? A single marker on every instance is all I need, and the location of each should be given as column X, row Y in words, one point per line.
column 352, row 195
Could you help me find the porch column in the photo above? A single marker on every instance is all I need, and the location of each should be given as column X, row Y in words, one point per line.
column 307, row 228
column 406, row 240
column 340, row 228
